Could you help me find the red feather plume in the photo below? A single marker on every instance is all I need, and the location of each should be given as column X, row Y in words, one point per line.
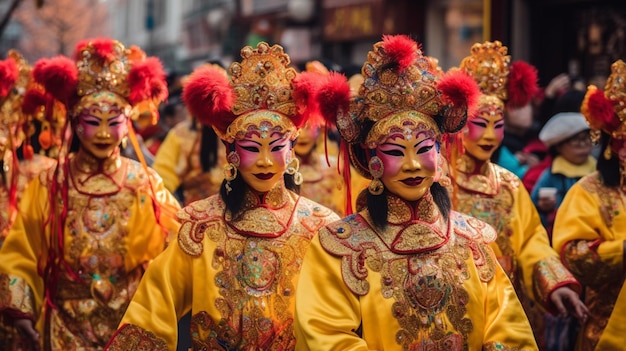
column 8, row 76
column 103, row 48
column 601, row 110
column 33, row 100
column 209, row 97
column 401, row 49
column 522, row 84
column 146, row 80
column 333, row 96
column 305, row 88
column 59, row 77
column 460, row 93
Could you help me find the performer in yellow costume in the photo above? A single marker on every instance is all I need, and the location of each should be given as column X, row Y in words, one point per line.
column 191, row 160
column 590, row 225
column 406, row 272
column 237, row 260
column 88, row 227
column 15, row 172
column 491, row 193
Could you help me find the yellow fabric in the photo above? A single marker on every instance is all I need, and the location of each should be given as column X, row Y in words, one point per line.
column 140, row 241
column 329, row 313
column 613, row 336
column 197, row 274
column 522, row 241
column 561, row 166
column 589, row 233
column 167, row 157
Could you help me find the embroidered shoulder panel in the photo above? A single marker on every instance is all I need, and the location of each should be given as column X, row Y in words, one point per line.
column 132, row 337
column 200, row 218
column 610, row 200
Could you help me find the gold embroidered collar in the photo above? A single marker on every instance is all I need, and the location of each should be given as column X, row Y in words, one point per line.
column 264, row 215
column 412, row 227
column 474, row 179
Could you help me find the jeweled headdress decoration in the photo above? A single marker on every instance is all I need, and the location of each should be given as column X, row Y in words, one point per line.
column 14, row 80
column 606, row 110
column 513, row 84
column 263, row 94
column 402, row 88
column 134, row 82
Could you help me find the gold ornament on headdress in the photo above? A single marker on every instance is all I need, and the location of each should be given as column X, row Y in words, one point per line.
column 615, row 89
column 95, row 74
column 489, row 64
column 11, row 115
column 262, row 83
column 386, row 92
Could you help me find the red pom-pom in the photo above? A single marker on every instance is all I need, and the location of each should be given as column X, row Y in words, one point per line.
column 460, row 90
column 601, row 110
column 400, row 49
column 146, row 80
column 305, row 88
column 460, row 94
column 59, row 77
column 8, row 76
column 209, row 97
column 103, row 48
column 522, row 84
column 34, row 99
column 333, row 96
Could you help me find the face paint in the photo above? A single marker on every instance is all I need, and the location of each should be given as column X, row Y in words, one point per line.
column 101, row 130
column 484, row 132
column 263, row 161
column 306, row 140
column 410, row 164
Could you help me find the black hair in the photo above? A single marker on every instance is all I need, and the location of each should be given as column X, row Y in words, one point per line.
column 208, row 148
column 609, row 169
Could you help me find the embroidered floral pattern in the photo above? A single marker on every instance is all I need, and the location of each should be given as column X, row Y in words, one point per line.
column 427, row 290
column 132, row 337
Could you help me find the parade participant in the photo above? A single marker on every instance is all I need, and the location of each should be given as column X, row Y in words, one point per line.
column 322, row 182
column 15, row 172
column 406, row 272
column 87, row 228
column 495, row 195
column 589, row 229
column 192, row 158
column 238, row 256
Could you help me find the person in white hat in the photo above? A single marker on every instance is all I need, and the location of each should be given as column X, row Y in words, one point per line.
column 567, row 137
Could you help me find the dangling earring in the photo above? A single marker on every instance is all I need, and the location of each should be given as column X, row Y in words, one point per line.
column 292, row 169
column 230, row 170
column 124, row 142
column 376, row 169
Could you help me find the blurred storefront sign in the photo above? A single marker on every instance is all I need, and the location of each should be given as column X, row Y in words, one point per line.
column 357, row 20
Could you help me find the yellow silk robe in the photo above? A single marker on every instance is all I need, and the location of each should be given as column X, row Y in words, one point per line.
column 238, row 276
column 589, row 232
column 28, row 170
column 497, row 196
column 423, row 283
column 110, row 234
column 178, row 162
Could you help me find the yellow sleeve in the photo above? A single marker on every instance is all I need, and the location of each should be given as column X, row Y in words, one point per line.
column 506, row 325
column 148, row 237
column 162, row 298
column 612, row 337
column 23, row 251
column 588, row 247
column 542, row 271
column 323, row 323
column 166, row 160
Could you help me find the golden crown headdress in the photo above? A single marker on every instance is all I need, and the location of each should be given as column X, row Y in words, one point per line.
column 103, row 68
column 501, row 82
column 263, row 93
